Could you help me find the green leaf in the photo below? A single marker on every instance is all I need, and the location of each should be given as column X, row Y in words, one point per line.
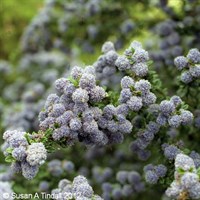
column 150, row 62
column 131, row 62
column 184, row 106
column 27, row 138
column 9, row 159
column 57, row 125
column 198, row 171
column 191, row 169
column 9, row 150
column 181, row 171
column 48, row 132
column 186, row 151
column 73, row 81
column 132, row 50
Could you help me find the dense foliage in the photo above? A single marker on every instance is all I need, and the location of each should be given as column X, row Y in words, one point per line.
column 102, row 102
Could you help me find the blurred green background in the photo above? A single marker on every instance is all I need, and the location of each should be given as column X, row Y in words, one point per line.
column 14, row 17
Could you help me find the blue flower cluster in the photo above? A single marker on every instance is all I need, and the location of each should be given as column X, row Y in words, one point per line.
column 82, row 111
column 128, row 184
column 190, row 65
column 27, row 158
column 171, row 113
column 125, row 130
column 51, row 27
column 79, row 189
column 153, row 173
column 57, row 168
column 186, row 179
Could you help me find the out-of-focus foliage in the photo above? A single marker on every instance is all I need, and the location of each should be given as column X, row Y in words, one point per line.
column 14, row 17
column 43, row 41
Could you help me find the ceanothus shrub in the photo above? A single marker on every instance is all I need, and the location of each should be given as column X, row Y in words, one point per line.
column 82, row 110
